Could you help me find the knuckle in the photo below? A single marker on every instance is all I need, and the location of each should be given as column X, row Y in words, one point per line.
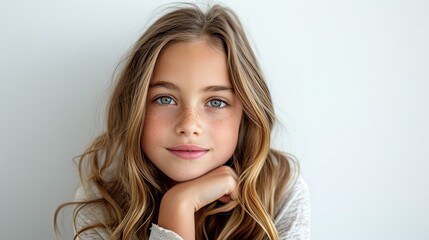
column 231, row 181
column 226, row 171
column 224, row 168
column 229, row 177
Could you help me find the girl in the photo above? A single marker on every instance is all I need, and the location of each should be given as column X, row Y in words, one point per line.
column 186, row 153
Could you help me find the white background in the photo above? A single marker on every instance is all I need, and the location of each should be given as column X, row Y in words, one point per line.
column 349, row 81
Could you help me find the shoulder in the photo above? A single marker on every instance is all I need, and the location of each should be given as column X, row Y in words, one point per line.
column 293, row 217
column 89, row 214
column 87, row 192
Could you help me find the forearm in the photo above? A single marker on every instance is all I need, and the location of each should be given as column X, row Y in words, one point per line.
column 177, row 216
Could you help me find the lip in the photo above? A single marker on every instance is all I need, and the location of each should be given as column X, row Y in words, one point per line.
column 188, row 152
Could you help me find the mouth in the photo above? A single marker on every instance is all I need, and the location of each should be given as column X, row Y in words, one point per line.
column 188, row 152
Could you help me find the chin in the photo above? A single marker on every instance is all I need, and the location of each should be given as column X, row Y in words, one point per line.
column 179, row 179
column 184, row 177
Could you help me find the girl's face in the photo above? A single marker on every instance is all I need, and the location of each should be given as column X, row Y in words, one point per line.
column 192, row 114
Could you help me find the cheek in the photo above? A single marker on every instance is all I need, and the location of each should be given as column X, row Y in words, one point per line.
column 155, row 125
column 156, row 120
column 224, row 130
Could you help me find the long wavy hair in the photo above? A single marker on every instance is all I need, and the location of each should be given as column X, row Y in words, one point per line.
column 131, row 187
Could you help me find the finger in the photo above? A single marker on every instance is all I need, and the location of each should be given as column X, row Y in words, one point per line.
column 232, row 191
column 225, row 199
column 230, row 170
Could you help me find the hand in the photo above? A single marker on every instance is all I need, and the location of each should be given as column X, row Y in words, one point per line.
column 184, row 199
column 218, row 184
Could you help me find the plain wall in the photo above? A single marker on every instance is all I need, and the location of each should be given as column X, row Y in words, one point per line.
column 349, row 79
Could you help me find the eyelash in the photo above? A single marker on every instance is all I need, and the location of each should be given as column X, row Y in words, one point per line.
column 158, row 101
column 223, row 103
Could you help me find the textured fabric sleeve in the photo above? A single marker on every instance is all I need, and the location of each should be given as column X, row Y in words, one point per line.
column 88, row 215
column 93, row 214
column 159, row 233
column 293, row 218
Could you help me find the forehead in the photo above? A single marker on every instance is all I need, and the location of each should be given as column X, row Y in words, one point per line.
column 192, row 62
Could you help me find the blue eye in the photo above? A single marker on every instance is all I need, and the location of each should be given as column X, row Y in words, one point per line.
column 165, row 100
column 217, row 103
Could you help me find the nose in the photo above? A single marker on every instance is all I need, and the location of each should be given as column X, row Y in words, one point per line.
column 189, row 123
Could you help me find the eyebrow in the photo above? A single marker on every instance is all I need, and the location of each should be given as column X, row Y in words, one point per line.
column 163, row 84
column 172, row 86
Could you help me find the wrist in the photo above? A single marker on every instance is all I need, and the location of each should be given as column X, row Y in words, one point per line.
column 177, row 214
column 176, row 200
